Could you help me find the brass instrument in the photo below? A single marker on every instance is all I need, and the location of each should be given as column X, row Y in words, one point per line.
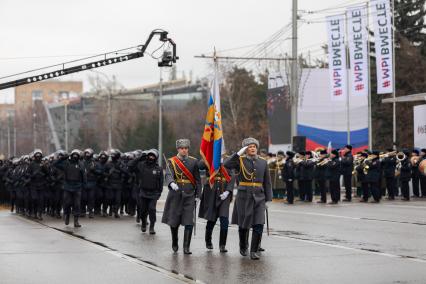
column 366, row 161
column 387, row 155
column 357, row 162
column 400, row 156
column 324, row 162
column 297, row 159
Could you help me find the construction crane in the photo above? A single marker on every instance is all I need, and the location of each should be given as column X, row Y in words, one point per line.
column 166, row 60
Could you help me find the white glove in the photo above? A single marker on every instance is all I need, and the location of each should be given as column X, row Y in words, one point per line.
column 174, row 186
column 224, row 195
column 197, row 200
column 242, row 150
column 267, row 204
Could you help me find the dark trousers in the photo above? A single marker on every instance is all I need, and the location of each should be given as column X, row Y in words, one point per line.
column 364, row 188
column 308, row 190
column 416, row 191
column 423, row 186
column 88, row 199
column 290, row 191
column 347, row 181
column 148, row 208
column 57, row 200
column 37, row 200
column 335, row 190
column 72, row 199
column 302, row 194
column 373, row 187
column 322, row 190
column 99, row 199
column 390, row 186
column 405, row 189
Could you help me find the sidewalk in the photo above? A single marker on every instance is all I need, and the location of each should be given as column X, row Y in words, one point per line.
column 33, row 253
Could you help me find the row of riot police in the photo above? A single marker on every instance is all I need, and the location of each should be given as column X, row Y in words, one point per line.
column 373, row 173
column 82, row 183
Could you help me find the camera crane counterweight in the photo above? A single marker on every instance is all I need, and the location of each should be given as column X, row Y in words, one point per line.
column 167, row 60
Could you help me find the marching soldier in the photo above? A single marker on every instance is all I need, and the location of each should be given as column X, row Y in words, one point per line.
column 405, row 175
column 254, row 190
column 287, row 174
column 215, row 203
column 333, row 173
column 150, row 183
column 184, row 183
column 347, row 164
column 388, row 166
column 415, row 172
column 74, row 180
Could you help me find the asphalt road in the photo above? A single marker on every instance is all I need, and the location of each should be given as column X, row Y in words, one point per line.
column 308, row 243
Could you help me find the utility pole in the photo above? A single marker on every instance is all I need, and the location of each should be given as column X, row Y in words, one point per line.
column 394, row 81
column 160, row 119
column 66, row 125
column 109, row 122
column 294, row 90
column 14, row 138
column 8, row 135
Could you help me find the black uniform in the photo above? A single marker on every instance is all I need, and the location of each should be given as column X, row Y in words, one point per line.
column 333, row 175
column 88, row 196
column 321, row 177
column 415, row 175
column 404, row 178
column 38, row 173
column 372, row 177
column 150, row 184
column 115, row 183
column 288, row 177
column 388, row 166
column 347, row 164
column 306, row 175
column 74, row 181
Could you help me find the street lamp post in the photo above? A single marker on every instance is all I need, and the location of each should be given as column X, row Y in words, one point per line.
column 160, row 119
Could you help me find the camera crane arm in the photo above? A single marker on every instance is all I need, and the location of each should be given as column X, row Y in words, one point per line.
column 168, row 58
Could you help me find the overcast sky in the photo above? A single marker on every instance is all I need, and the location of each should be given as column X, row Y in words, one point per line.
column 39, row 33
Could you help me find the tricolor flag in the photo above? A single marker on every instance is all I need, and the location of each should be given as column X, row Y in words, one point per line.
column 212, row 144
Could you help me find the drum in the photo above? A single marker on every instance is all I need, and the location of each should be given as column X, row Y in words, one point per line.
column 422, row 167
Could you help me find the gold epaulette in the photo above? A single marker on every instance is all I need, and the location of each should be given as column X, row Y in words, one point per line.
column 193, row 158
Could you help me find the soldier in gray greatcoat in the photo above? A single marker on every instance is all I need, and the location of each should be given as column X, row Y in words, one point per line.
column 254, row 190
column 183, row 180
column 214, row 205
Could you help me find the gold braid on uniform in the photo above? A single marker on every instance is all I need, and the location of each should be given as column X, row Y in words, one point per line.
column 179, row 176
column 247, row 175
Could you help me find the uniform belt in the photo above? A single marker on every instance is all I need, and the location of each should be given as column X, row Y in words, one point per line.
column 183, row 181
column 252, row 184
column 219, row 178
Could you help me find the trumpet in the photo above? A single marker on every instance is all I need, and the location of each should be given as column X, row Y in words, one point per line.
column 324, row 162
column 387, row 155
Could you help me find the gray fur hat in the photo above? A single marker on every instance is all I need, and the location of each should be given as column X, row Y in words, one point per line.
column 249, row 141
column 182, row 143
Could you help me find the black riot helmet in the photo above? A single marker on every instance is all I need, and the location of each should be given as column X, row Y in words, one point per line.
column 115, row 154
column 88, row 153
column 103, row 157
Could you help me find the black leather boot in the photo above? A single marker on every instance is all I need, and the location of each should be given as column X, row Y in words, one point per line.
column 222, row 240
column 175, row 245
column 208, row 238
column 243, row 233
column 151, row 228
column 187, row 240
column 254, row 248
column 67, row 219
column 260, row 249
column 143, row 227
column 76, row 223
